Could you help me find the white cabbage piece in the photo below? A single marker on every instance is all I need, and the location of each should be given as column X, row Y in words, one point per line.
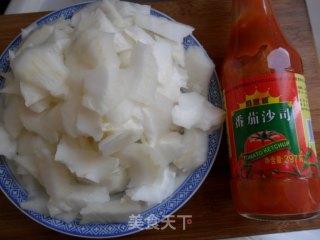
column 127, row 9
column 157, row 119
column 111, row 11
column 38, row 204
column 25, row 32
column 53, row 176
column 200, row 69
column 178, row 50
column 119, row 138
column 76, row 72
column 141, row 76
column 194, row 111
column 177, row 80
column 60, row 210
column 32, row 94
column 122, row 43
column 78, row 120
column 30, row 146
column 125, row 58
column 11, row 118
column 178, row 54
column 122, row 112
column 162, row 51
column 116, row 181
column 8, row 146
column 37, row 198
column 103, row 89
column 83, row 194
column 46, row 124
column 36, row 36
column 154, row 192
column 171, row 146
column 42, row 66
column 67, row 207
column 83, row 161
column 30, row 184
column 12, row 86
column 42, row 105
column 194, row 152
column 69, row 113
column 143, row 163
column 89, row 123
column 111, row 212
column 36, row 156
column 139, row 35
column 172, row 30
column 94, row 18
column 95, row 47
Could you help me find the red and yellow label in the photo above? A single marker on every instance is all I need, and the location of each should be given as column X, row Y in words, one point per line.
column 269, row 127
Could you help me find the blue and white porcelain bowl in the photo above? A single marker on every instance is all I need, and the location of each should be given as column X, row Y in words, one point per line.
column 11, row 187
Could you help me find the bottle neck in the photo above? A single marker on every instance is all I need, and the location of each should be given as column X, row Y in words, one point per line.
column 255, row 28
column 251, row 9
column 257, row 46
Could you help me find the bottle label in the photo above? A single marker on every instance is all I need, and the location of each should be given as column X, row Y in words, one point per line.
column 269, row 127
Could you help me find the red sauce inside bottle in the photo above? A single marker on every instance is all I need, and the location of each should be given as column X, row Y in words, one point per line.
column 275, row 172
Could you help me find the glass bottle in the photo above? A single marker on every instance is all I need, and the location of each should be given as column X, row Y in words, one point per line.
column 274, row 168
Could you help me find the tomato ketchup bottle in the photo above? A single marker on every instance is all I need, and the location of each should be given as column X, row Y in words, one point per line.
column 274, row 167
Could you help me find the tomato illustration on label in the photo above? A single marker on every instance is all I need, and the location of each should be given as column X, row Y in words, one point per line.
column 310, row 163
column 260, row 139
column 277, row 164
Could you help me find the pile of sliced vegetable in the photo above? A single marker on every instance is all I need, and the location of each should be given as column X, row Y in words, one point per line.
column 102, row 112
